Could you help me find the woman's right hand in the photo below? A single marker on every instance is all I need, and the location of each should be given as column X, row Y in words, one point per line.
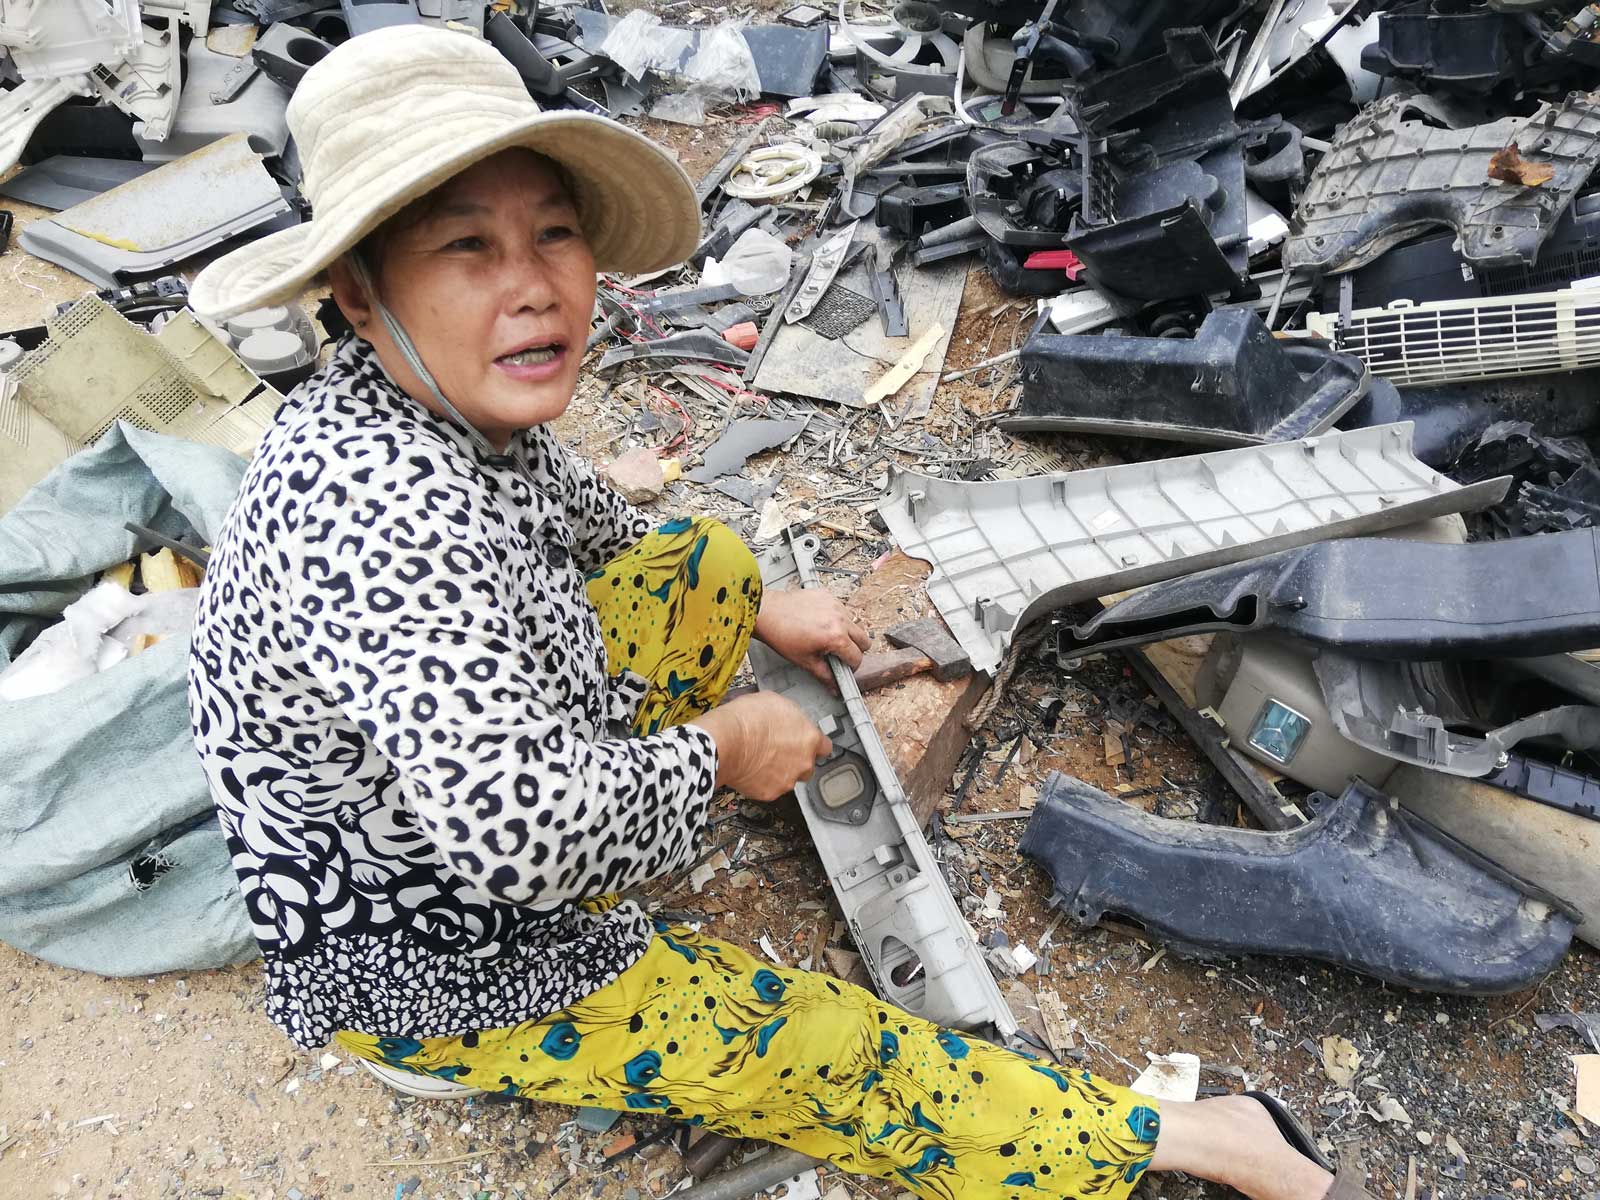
column 765, row 744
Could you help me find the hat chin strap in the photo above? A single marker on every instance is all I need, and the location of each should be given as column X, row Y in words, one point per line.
column 408, row 351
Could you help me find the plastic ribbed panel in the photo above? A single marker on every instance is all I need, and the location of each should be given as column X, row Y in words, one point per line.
column 1008, row 552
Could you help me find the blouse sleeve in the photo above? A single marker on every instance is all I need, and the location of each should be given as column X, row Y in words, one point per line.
column 404, row 618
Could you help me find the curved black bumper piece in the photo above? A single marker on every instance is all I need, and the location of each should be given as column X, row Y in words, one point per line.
column 1364, row 885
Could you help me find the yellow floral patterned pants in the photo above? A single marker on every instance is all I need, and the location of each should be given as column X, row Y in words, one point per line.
column 702, row 1032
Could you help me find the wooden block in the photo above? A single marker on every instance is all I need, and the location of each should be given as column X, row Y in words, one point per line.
column 164, row 571
column 121, row 575
column 879, row 668
column 920, row 720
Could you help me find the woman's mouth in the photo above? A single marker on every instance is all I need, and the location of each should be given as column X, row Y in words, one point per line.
column 534, row 363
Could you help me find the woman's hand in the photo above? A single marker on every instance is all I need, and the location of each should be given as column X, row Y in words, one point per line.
column 807, row 625
column 765, row 744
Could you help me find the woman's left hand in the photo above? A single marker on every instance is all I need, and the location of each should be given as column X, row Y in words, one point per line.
column 808, row 624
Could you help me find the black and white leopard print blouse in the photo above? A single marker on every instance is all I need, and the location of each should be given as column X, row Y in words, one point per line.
column 400, row 698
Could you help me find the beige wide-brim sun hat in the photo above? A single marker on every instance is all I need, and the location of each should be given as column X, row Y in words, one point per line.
column 390, row 115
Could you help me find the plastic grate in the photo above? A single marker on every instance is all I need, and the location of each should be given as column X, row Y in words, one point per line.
column 839, row 312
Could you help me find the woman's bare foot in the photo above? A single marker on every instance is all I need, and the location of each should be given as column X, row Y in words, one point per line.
column 1234, row 1140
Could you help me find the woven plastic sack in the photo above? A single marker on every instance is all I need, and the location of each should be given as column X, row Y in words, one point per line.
column 111, row 858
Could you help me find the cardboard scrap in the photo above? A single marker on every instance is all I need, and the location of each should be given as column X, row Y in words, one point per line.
column 1587, row 1104
column 1170, row 1077
column 1059, row 1028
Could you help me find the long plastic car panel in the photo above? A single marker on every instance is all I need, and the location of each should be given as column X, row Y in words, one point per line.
column 1382, row 597
column 1006, row 553
column 911, row 935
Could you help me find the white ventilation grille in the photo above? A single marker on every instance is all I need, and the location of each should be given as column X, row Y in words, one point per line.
column 1456, row 340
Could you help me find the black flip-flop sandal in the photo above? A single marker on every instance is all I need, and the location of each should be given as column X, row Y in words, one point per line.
column 1293, row 1132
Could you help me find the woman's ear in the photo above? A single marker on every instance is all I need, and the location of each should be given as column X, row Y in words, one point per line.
column 349, row 294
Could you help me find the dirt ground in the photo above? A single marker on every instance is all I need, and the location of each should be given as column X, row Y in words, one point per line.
column 177, row 1086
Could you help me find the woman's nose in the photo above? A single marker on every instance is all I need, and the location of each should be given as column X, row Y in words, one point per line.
column 529, row 286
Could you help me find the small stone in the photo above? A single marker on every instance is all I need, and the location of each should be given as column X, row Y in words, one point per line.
column 410, row 1185
column 1585, row 1164
column 636, row 475
column 1443, row 1018
column 1424, row 1137
column 597, row 1120
column 294, row 1194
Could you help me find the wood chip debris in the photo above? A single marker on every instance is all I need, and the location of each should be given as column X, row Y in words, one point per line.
column 1340, row 1061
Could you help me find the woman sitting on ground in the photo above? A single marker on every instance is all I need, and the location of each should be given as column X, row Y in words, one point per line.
column 453, row 695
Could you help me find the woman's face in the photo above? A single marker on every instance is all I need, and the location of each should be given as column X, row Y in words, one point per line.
column 495, row 284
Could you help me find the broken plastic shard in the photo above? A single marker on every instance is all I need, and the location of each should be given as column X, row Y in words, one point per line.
column 1006, row 553
column 742, row 439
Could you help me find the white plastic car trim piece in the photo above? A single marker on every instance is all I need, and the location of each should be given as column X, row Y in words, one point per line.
column 1008, row 552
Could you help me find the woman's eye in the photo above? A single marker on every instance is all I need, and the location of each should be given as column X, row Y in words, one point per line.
column 557, row 233
column 466, row 243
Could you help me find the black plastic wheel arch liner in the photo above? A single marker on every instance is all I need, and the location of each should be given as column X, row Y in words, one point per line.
column 1232, row 384
column 1364, row 885
column 1381, row 597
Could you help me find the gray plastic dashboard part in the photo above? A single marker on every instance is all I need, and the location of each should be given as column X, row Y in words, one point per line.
column 1364, row 885
column 363, row 16
column 164, row 217
column 1388, row 178
column 911, row 935
column 1008, row 552
column 1382, row 598
column 257, row 108
column 1383, row 704
column 65, row 180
